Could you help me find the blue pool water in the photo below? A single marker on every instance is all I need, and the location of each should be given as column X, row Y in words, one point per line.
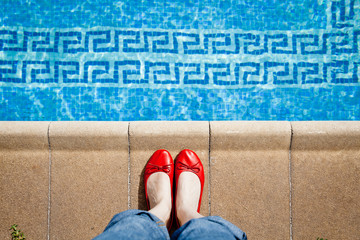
column 180, row 60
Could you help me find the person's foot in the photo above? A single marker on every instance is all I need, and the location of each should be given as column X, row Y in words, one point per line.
column 189, row 180
column 158, row 181
column 159, row 195
column 187, row 197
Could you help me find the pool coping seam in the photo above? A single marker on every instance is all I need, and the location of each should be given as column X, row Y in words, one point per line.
column 290, row 184
column 49, row 179
column 129, row 169
column 209, row 184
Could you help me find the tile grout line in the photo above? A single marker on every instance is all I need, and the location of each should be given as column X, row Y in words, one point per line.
column 129, row 170
column 49, row 191
column 209, row 184
column 290, row 185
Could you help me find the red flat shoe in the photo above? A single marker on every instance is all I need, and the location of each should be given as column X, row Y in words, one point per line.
column 160, row 161
column 188, row 161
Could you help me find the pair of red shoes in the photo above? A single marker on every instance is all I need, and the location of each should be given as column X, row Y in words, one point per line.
column 186, row 161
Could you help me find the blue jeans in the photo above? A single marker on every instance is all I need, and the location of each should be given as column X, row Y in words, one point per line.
column 138, row 224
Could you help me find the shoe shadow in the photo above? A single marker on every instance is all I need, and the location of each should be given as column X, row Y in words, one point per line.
column 141, row 191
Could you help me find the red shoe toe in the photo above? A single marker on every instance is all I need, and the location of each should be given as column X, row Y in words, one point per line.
column 188, row 161
column 160, row 161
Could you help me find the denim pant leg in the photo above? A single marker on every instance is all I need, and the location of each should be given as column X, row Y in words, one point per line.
column 134, row 224
column 212, row 227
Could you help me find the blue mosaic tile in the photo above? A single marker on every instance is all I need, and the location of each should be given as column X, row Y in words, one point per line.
column 176, row 14
column 180, row 60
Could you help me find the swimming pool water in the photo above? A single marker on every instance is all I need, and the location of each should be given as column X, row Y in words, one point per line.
column 180, row 60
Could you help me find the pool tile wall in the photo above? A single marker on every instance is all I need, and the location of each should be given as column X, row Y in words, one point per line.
column 184, row 60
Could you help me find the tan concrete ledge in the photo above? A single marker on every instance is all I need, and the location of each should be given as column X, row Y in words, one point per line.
column 331, row 136
column 92, row 136
column 325, row 159
column 254, row 172
column 251, row 135
column 24, row 178
column 24, row 135
column 89, row 177
column 250, row 176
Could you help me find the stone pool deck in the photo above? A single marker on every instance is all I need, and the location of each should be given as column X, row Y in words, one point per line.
column 275, row 180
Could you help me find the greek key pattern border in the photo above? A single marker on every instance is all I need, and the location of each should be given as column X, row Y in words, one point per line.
column 163, row 57
column 164, row 73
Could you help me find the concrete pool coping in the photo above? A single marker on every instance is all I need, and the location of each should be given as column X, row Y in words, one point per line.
column 292, row 180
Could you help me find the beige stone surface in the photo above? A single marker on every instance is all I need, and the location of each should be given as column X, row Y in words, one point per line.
column 24, row 178
column 89, row 177
column 147, row 137
column 250, row 176
column 325, row 180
